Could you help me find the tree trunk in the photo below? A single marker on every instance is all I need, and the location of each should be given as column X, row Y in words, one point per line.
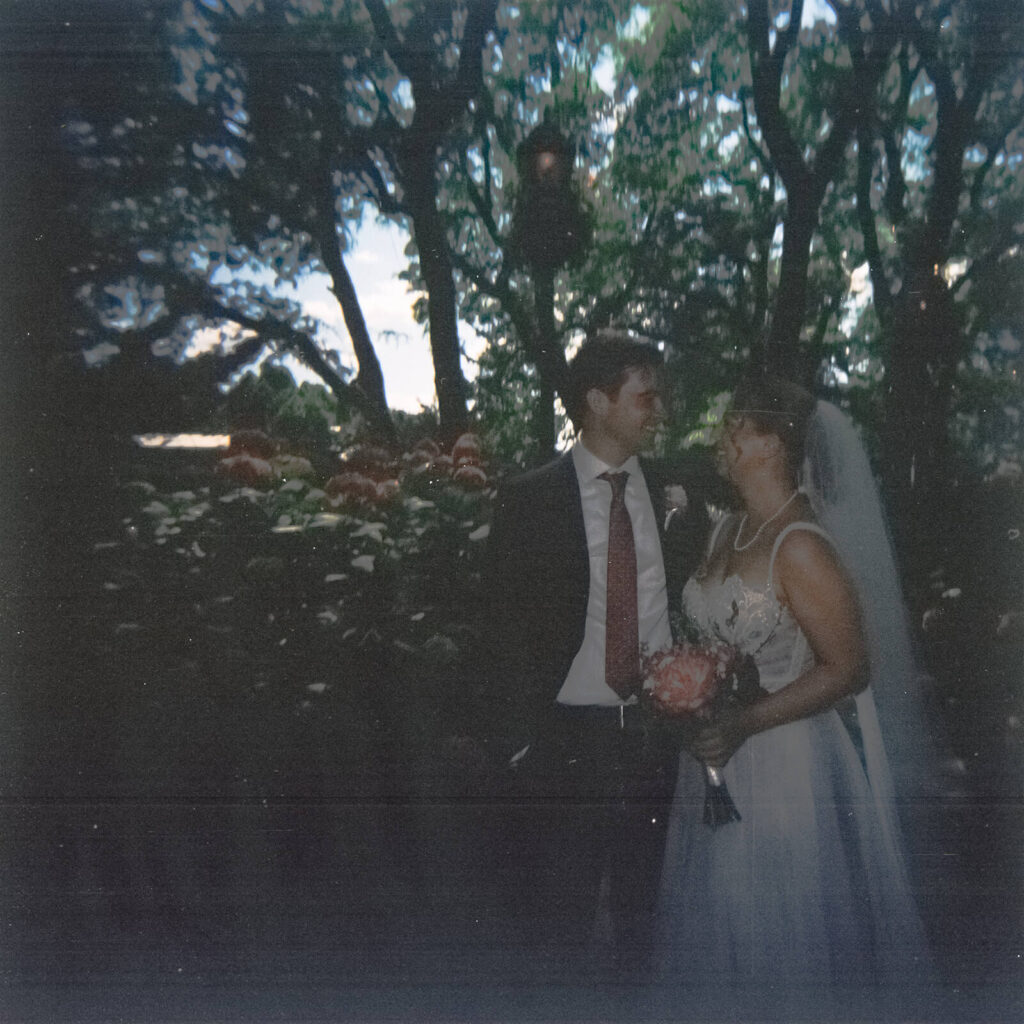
column 781, row 355
column 369, row 378
column 440, row 98
column 926, row 337
column 428, row 233
column 369, row 381
column 926, row 342
column 919, row 370
column 805, row 176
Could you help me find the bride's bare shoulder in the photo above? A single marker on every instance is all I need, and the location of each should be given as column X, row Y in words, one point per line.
column 805, row 548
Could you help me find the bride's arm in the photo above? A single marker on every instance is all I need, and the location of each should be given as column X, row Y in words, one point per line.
column 811, row 581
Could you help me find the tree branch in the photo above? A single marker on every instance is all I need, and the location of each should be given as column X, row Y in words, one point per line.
column 381, row 197
column 369, row 378
column 482, row 206
column 756, row 146
column 1006, row 239
column 387, row 36
column 766, row 72
column 487, row 114
column 514, row 309
column 787, row 39
column 868, row 227
column 994, row 145
column 184, row 297
column 498, row 289
column 606, row 307
column 470, row 76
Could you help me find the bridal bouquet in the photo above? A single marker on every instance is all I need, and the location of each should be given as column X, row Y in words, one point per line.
column 689, row 683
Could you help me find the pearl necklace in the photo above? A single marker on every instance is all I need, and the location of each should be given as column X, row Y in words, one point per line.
column 743, row 522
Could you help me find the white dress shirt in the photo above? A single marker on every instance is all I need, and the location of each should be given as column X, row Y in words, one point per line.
column 585, row 683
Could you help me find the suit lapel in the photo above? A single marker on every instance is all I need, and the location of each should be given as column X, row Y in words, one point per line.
column 656, row 490
column 675, row 573
column 571, row 515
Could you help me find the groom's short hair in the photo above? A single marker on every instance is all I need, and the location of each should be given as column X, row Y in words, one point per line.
column 602, row 362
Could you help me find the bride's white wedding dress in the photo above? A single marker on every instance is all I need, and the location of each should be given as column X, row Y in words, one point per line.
column 808, row 891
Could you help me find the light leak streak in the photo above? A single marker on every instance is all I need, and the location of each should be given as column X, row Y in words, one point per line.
column 182, row 440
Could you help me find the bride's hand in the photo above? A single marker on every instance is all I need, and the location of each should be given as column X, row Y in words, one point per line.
column 721, row 738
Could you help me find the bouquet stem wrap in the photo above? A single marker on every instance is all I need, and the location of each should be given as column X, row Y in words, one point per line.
column 718, row 806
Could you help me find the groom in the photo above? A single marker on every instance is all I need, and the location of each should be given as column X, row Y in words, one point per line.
column 585, row 559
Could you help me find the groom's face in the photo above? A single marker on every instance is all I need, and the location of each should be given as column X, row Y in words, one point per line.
column 633, row 416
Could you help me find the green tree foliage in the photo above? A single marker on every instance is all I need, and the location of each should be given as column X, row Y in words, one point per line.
column 739, row 167
column 237, row 164
column 303, row 417
column 692, row 212
column 769, row 162
column 939, row 208
column 350, row 104
column 210, row 217
column 541, row 73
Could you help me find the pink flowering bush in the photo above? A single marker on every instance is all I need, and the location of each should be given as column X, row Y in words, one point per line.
column 337, row 595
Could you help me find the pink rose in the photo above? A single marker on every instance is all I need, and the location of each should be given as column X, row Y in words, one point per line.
column 350, row 487
column 388, row 491
column 685, row 678
column 471, row 477
column 246, row 470
column 467, row 446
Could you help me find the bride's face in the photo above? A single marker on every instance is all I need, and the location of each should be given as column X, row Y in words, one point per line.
column 739, row 445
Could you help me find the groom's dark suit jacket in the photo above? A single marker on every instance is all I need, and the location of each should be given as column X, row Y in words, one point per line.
column 538, row 582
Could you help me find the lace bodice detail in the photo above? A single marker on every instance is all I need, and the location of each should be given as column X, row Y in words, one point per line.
column 753, row 619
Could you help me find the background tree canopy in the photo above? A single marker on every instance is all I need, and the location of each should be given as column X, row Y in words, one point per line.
column 828, row 191
column 831, row 190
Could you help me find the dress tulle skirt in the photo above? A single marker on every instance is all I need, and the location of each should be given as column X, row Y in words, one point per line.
column 807, row 893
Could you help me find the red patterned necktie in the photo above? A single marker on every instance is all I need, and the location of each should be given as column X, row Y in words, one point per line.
column 622, row 637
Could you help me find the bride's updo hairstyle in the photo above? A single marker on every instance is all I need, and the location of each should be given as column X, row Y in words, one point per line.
column 776, row 406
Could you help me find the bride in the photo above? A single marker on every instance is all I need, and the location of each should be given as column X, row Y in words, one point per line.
column 806, row 896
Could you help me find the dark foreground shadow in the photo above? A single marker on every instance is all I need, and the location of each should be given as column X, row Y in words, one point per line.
column 215, row 911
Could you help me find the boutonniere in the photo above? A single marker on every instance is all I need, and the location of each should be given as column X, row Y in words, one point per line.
column 675, row 502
